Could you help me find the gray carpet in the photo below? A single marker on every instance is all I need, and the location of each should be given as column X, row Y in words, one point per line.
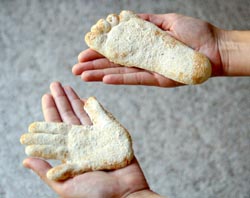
column 191, row 142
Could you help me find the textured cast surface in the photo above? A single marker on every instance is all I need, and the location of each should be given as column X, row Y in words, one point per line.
column 127, row 40
column 105, row 145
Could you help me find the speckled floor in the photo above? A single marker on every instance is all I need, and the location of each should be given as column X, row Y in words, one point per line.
column 192, row 141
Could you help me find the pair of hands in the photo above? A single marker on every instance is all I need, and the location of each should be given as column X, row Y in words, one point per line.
column 63, row 105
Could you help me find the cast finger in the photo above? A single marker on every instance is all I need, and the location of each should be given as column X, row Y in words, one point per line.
column 49, row 127
column 97, row 114
column 43, row 139
column 64, row 171
column 47, row 152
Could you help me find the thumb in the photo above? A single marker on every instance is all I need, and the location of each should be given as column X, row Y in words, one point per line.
column 96, row 112
column 40, row 167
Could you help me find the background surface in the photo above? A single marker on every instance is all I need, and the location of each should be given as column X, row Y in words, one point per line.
column 192, row 141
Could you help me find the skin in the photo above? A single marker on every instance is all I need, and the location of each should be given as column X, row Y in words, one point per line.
column 63, row 105
column 228, row 52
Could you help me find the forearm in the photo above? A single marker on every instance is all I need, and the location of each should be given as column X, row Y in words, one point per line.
column 144, row 194
column 234, row 47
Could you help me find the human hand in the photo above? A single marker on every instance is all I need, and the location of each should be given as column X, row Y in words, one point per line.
column 63, row 105
column 195, row 33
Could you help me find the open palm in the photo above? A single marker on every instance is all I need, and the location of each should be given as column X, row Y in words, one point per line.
column 63, row 105
column 195, row 33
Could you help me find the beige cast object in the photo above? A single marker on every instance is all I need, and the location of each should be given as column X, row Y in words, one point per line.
column 131, row 41
column 105, row 145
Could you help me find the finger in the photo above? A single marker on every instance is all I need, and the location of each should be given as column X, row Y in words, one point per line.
column 140, row 78
column 97, row 75
column 101, row 63
column 63, row 105
column 97, row 114
column 49, row 108
column 47, row 152
column 41, row 167
column 64, row 171
column 49, row 127
column 77, row 105
column 43, row 139
column 88, row 55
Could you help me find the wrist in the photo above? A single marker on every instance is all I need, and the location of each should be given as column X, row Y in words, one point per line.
column 234, row 49
column 144, row 194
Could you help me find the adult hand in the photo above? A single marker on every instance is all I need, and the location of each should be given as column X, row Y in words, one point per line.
column 197, row 34
column 63, row 105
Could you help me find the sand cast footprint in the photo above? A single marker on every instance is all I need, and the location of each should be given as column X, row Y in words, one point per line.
column 130, row 41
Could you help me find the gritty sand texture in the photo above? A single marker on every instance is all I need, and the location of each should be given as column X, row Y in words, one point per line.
column 191, row 141
column 104, row 145
column 128, row 40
